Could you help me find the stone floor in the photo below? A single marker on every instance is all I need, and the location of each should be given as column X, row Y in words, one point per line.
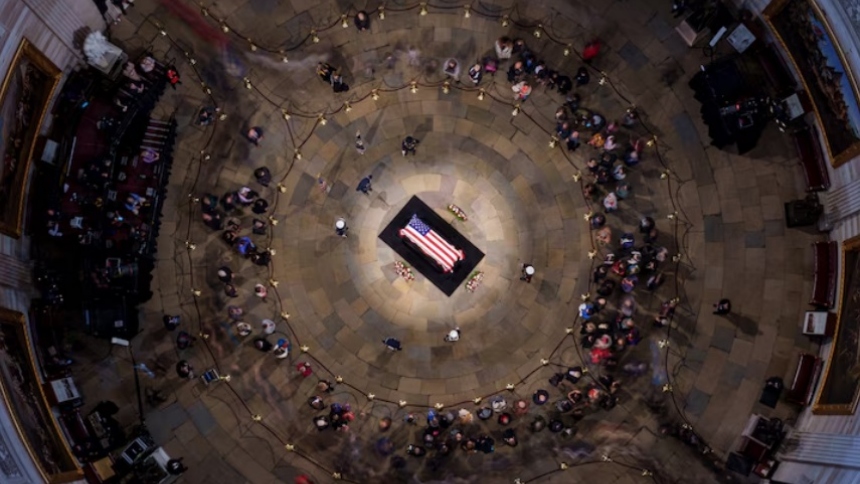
column 343, row 297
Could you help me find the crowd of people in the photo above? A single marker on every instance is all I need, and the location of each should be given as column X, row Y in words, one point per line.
column 243, row 233
column 633, row 263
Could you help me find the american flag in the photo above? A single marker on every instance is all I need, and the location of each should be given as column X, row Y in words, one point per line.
column 432, row 243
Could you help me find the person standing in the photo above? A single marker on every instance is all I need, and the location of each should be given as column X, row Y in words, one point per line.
column 452, row 69
column 527, row 273
column 476, row 72
column 325, row 71
column 340, row 227
column 173, row 77
column 582, row 76
column 573, row 141
column 365, row 186
column 225, row 275
column 453, row 336
column 263, row 176
column 184, row 369
column 255, row 135
column 610, row 202
column 591, row 50
column 184, row 340
column 723, row 307
column 260, row 291
column 408, row 145
column 504, row 48
column 362, row 21
column 522, row 90
column 646, row 224
column 175, row 467
column 262, row 344
column 338, row 84
column 170, row 322
column 392, row 344
column 630, row 118
column 304, row 368
column 359, row 143
column 260, row 206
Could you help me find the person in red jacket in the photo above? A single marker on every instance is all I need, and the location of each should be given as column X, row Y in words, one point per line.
column 173, row 77
column 591, row 50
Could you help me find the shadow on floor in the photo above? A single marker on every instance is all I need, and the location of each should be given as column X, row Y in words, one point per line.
column 744, row 324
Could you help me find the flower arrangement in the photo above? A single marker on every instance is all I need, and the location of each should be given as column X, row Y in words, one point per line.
column 458, row 212
column 404, row 271
column 475, row 281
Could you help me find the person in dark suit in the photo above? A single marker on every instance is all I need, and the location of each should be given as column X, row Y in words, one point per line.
column 362, row 21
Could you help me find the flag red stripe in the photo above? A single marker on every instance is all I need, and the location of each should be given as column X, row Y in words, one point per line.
column 452, row 251
column 441, row 246
column 430, row 248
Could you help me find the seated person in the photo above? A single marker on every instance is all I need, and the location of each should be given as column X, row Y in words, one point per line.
column 149, row 155
column 135, row 202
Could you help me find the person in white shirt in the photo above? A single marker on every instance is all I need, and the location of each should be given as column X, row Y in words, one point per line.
column 504, row 48
column 453, row 335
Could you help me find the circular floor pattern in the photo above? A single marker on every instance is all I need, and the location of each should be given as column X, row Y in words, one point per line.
column 511, row 202
column 343, row 296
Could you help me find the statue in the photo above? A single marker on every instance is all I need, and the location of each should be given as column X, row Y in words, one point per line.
column 96, row 46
